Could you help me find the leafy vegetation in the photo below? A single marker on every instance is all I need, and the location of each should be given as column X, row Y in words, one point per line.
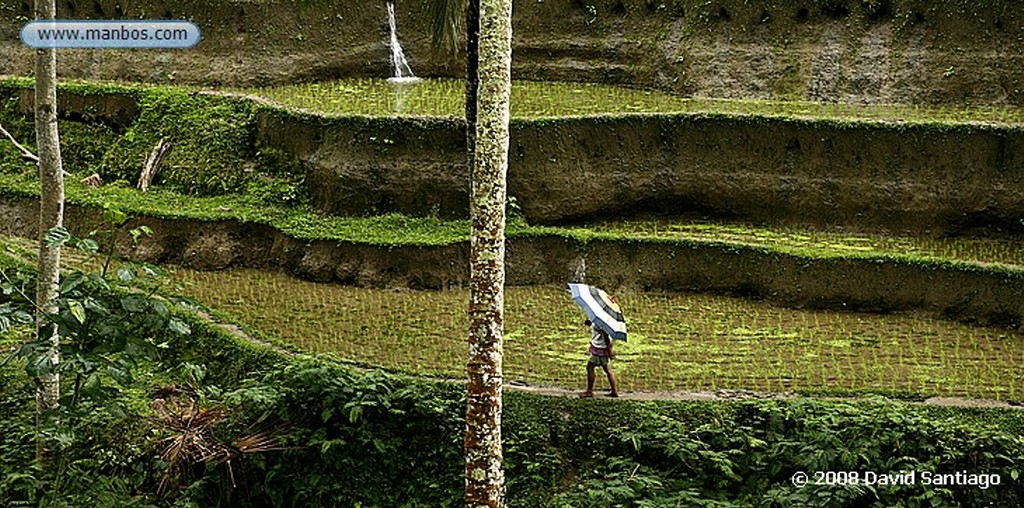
column 343, row 426
column 212, row 139
column 213, row 149
column 567, row 452
column 119, row 340
column 747, row 453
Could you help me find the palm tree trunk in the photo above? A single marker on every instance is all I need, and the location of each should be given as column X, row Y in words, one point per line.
column 484, row 474
column 51, row 215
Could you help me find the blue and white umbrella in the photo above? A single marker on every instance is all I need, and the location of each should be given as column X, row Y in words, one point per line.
column 601, row 309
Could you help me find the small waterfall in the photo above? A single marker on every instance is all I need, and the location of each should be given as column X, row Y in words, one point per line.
column 398, row 62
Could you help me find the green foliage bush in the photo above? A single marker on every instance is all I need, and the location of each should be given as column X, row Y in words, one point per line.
column 380, row 440
column 355, row 439
column 18, row 126
column 212, row 137
column 745, row 454
column 358, row 438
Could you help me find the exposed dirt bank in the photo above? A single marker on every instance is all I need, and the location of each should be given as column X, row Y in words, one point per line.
column 964, row 293
column 907, row 178
column 915, row 51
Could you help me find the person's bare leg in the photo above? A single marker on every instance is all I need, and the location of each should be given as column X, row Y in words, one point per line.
column 611, row 380
column 590, row 381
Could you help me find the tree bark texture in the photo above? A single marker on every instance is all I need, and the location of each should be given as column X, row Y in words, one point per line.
column 51, row 214
column 472, row 78
column 485, row 477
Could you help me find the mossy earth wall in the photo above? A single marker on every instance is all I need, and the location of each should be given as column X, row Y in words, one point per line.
column 899, row 177
column 909, row 51
column 967, row 291
column 912, row 178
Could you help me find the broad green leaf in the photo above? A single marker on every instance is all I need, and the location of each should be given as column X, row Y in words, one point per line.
column 39, row 364
column 161, row 309
column 56, row 237
column 99, row 281
column 115, row 409
column 355, row 413
column 187, row 303
column 21, row 317
column 178, row 326
column 5, row 324
column 134, row 303
column 95, row 305
column 126, row 273
column 151, row 271
column 88, row 245
column 71, row 281
column 120, row 374
column 77, row 309
column 92, row 381
column 114, row 216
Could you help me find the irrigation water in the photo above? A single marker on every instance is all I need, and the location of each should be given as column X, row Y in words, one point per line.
column 403, row 73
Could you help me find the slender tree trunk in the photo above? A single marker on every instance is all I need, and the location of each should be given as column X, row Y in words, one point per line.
column 485, row 477
column 51, row 214
column 472, row 79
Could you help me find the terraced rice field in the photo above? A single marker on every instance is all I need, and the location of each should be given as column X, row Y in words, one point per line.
column 531, row 99
column 677, row 341
column 816, row 243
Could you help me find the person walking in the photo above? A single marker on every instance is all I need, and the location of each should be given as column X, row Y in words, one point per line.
column 601, row 354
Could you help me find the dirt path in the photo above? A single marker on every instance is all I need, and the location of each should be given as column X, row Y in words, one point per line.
column 730, row 395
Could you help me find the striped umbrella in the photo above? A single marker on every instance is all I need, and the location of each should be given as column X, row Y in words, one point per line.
column 601, row 309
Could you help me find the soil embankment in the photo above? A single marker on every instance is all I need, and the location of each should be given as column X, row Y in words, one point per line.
column 917, row 178
column 906, row 178
column 964, row 292
column 907, row 51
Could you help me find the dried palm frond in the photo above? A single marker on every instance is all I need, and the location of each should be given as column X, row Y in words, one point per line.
column 192, row 441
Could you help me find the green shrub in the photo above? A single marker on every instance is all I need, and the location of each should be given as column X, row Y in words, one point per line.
column 212, row 138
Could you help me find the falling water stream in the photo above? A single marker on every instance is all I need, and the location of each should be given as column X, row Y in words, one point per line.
column 403, row 74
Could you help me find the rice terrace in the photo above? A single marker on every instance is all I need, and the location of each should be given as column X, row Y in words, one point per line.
column 274, row 271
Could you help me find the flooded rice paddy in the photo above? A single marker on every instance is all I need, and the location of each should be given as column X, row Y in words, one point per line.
column 676, row 342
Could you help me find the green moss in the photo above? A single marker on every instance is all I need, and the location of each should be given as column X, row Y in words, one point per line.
column 83, row 146
column 212, row 138
column 302, row 222
column 18, row 126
